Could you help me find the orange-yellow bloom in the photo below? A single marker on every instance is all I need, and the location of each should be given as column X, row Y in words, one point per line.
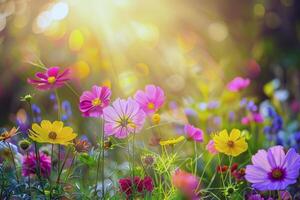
column 232, row 145
column 8, row 134
column 53, row 133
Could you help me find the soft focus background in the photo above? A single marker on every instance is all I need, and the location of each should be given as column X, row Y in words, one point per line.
column 190, row 48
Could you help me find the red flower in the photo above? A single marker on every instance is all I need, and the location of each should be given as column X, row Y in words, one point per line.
column 139, row 185
column 221, row 168
column 234, row 167
column 138, row 182
column 148, row 184
column 125, row 186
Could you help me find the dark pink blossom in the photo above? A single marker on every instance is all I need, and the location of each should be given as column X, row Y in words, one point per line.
column 93, row 102
column 29, row 165
column 50, row 79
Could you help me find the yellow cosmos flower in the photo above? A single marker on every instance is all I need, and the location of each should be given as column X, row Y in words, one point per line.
column 53, row 133
column 232, row 145
column 171, row 141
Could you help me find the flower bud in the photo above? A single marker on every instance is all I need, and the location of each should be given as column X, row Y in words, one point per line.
column 24, row 145
column 155, row 119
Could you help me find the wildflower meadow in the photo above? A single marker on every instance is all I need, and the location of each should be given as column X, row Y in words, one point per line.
column 160, row 100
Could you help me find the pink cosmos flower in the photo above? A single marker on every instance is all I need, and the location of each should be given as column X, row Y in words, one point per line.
column 93, row 102
column 187, row 183
column 50, row 79
column 193, row 133
column 210, row 147
column 237, row 84
column 151, row 99
column 29, row 165
column 123, row 117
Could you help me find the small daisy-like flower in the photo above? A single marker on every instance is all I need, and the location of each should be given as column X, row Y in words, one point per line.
column 50, row 79
column 8, row 134
column 123, row 117
column 81, row 146
column 151, row 99
column 53, row 133
column 93, row 102
column 171, row 141
column 232, row 145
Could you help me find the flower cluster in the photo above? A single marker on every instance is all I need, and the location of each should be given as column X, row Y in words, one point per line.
column 136, row 186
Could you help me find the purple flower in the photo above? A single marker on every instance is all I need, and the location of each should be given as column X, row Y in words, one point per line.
column 93, row 102
column 273, row 169
column 151, row 99
column 123, row 117
column 255, row 197
column 193, row 133
column 29, row 165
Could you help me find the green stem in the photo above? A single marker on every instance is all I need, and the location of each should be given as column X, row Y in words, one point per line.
column 59, row 118
column 37, row 156
column 72, row 90
column 71, row 167
column 62, row 167
column 220, row 164
column 13, row 159
column 29, row 179
column 196, row 158
column 58, row 105
column 133, row 149
column 102, row 153
column 58, row 159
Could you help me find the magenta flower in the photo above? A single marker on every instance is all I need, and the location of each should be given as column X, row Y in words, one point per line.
column 93, row 102
column 273, row 169
column 210, row 147
column 151, row 99
column 193, row 133
column 237, row 84
column 29, row 165
column 50, row 79
column 123, row 117
column 257, row 118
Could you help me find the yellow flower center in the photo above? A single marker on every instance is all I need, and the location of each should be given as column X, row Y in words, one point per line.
column 52, row 135
column 51, row 79
column 125, row 122
column 230, row 143
column 96, row 102
column 151, row 106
